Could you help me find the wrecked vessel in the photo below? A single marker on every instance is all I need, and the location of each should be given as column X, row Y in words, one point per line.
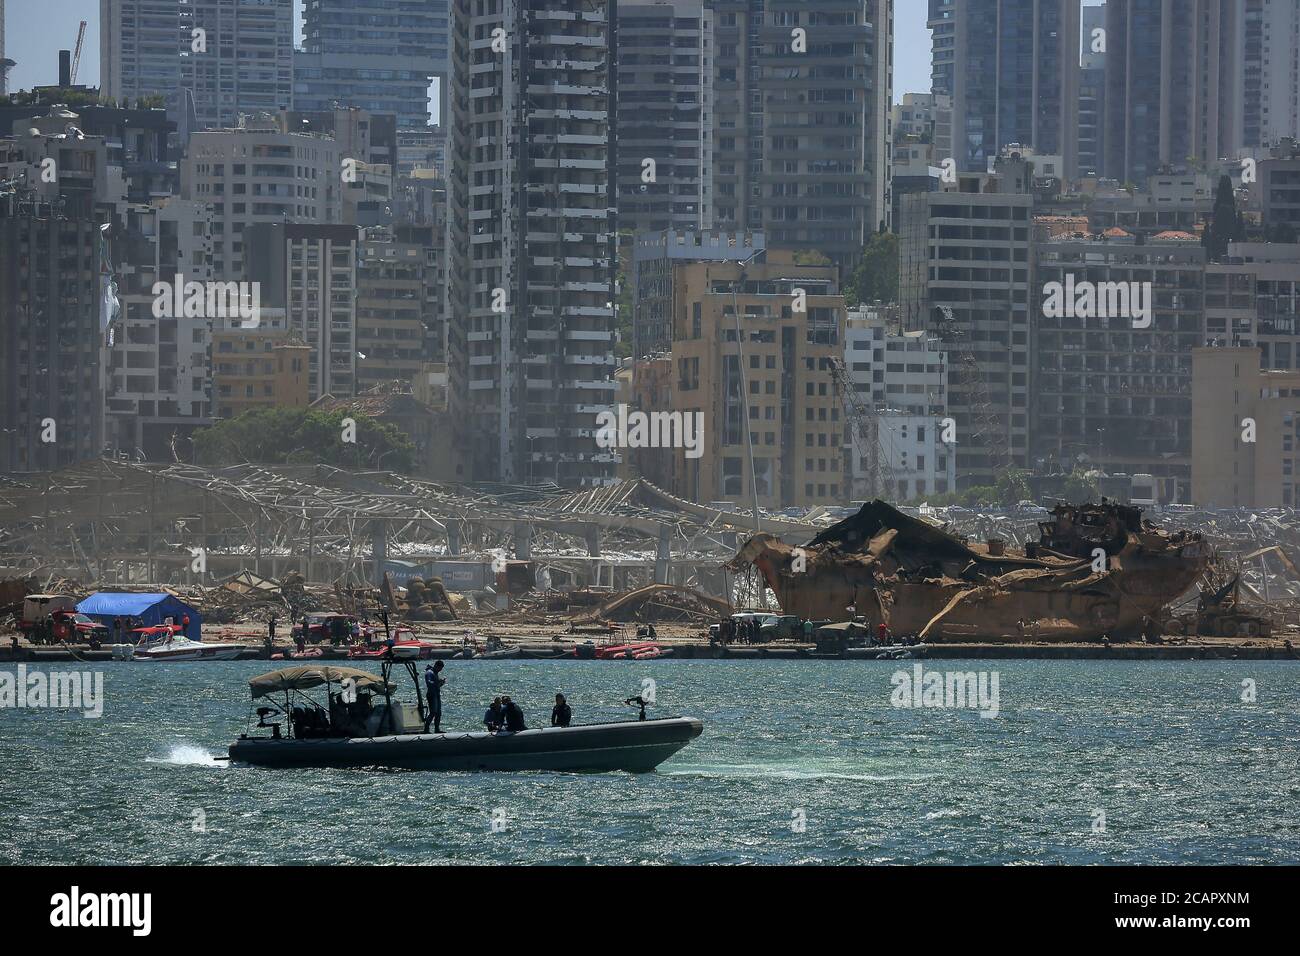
column 1096, row 570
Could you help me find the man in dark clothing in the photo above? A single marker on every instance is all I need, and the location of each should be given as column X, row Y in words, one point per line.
column 270, row 631
column 433, row 681
column 514, row 716
column 562, row 713
column 495, row 717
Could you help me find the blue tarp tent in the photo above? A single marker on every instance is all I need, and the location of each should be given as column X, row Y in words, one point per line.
column 151, row 609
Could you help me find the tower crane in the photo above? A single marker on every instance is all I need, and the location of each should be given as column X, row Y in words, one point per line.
column 76, row 56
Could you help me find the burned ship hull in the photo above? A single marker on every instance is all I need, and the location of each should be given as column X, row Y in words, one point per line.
column 1096, row 570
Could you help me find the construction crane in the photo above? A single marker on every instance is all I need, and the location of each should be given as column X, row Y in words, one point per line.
column 864, row 430
column 76, row 56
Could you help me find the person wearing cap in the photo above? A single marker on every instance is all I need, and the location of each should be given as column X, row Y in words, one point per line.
column 433, row 681
column 562, row 713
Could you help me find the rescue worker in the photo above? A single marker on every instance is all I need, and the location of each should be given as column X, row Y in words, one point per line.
column 494, row 719
column 514, row 716
column 433, row 681
column 270, row 631
column 561, row 713
column 882, row 634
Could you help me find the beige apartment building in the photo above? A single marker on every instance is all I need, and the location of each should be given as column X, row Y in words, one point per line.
column 767, row 390
column 1234, row 400
column 254, row 368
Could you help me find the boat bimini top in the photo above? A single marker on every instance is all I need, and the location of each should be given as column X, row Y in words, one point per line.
column 307, row 676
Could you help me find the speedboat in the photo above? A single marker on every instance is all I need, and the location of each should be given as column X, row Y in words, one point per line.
column 165, row 644
column 404, row 644
column 362, row 726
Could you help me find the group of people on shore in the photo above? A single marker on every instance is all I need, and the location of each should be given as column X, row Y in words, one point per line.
column 503, row 714
column 742, row 631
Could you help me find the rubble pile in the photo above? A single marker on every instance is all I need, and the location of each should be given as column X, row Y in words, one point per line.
column 925, row 581
column 659, row 604
column 1262, row 546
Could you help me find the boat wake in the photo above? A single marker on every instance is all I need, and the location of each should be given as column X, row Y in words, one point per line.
column 187, row 755
column 776, row 772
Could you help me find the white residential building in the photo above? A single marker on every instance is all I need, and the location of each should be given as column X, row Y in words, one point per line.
column 258, row 174
column 233, row 56
column 158, row 381
column 899, row 382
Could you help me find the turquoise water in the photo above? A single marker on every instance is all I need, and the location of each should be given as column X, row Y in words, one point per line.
column 1183, row 769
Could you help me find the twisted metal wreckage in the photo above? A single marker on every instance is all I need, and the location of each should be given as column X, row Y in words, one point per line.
column 130, row 523
column 921, row 580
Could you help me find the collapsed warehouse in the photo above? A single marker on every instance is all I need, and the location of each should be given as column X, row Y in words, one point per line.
column 130, row 525
column 249, row 541
column 1095, row 570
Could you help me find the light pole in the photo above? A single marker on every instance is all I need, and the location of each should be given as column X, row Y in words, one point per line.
column 744, row 381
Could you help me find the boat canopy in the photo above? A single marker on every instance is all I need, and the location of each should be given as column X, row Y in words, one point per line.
column 308, row 676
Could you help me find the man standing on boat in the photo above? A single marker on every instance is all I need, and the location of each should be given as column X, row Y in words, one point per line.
column 433, row 681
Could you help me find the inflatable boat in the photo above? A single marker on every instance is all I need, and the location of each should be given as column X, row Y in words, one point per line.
column 633, row 746
column 361, row 725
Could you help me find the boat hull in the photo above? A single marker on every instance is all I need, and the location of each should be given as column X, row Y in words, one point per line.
column 216, row 653
column 634, row 746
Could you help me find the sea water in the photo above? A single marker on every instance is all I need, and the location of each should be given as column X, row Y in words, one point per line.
column 800, row 762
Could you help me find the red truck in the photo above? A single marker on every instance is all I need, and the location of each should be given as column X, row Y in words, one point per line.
column 65, row 623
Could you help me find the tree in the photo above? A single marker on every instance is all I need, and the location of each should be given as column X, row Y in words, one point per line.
column 1080, row 486
column 1012, row 487
column 875, row 277
column 1225, row 224
column 278, row 436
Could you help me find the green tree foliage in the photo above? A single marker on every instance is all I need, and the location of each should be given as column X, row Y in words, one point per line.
column 1080, row 486
column 875, row 277
column 277, row 436
column 1225, row 224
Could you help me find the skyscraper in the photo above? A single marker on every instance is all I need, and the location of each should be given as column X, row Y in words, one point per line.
column 1266, row 76
column 665, row 115
column 531, row 235
column 1092, row 93
column 1169, row 94
column 241, row 62
column 1012, row 70
column 139, row 49
column 380, row 55
column 233, row 56
column 802, row 93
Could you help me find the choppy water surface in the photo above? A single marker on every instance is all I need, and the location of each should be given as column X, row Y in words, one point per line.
column 799, row 762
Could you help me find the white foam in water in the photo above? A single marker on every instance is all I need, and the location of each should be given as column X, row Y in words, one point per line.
column 780, row 772
column 188, row 755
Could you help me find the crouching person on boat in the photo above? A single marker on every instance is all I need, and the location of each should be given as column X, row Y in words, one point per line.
column 495, row 717
column 514, row 716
